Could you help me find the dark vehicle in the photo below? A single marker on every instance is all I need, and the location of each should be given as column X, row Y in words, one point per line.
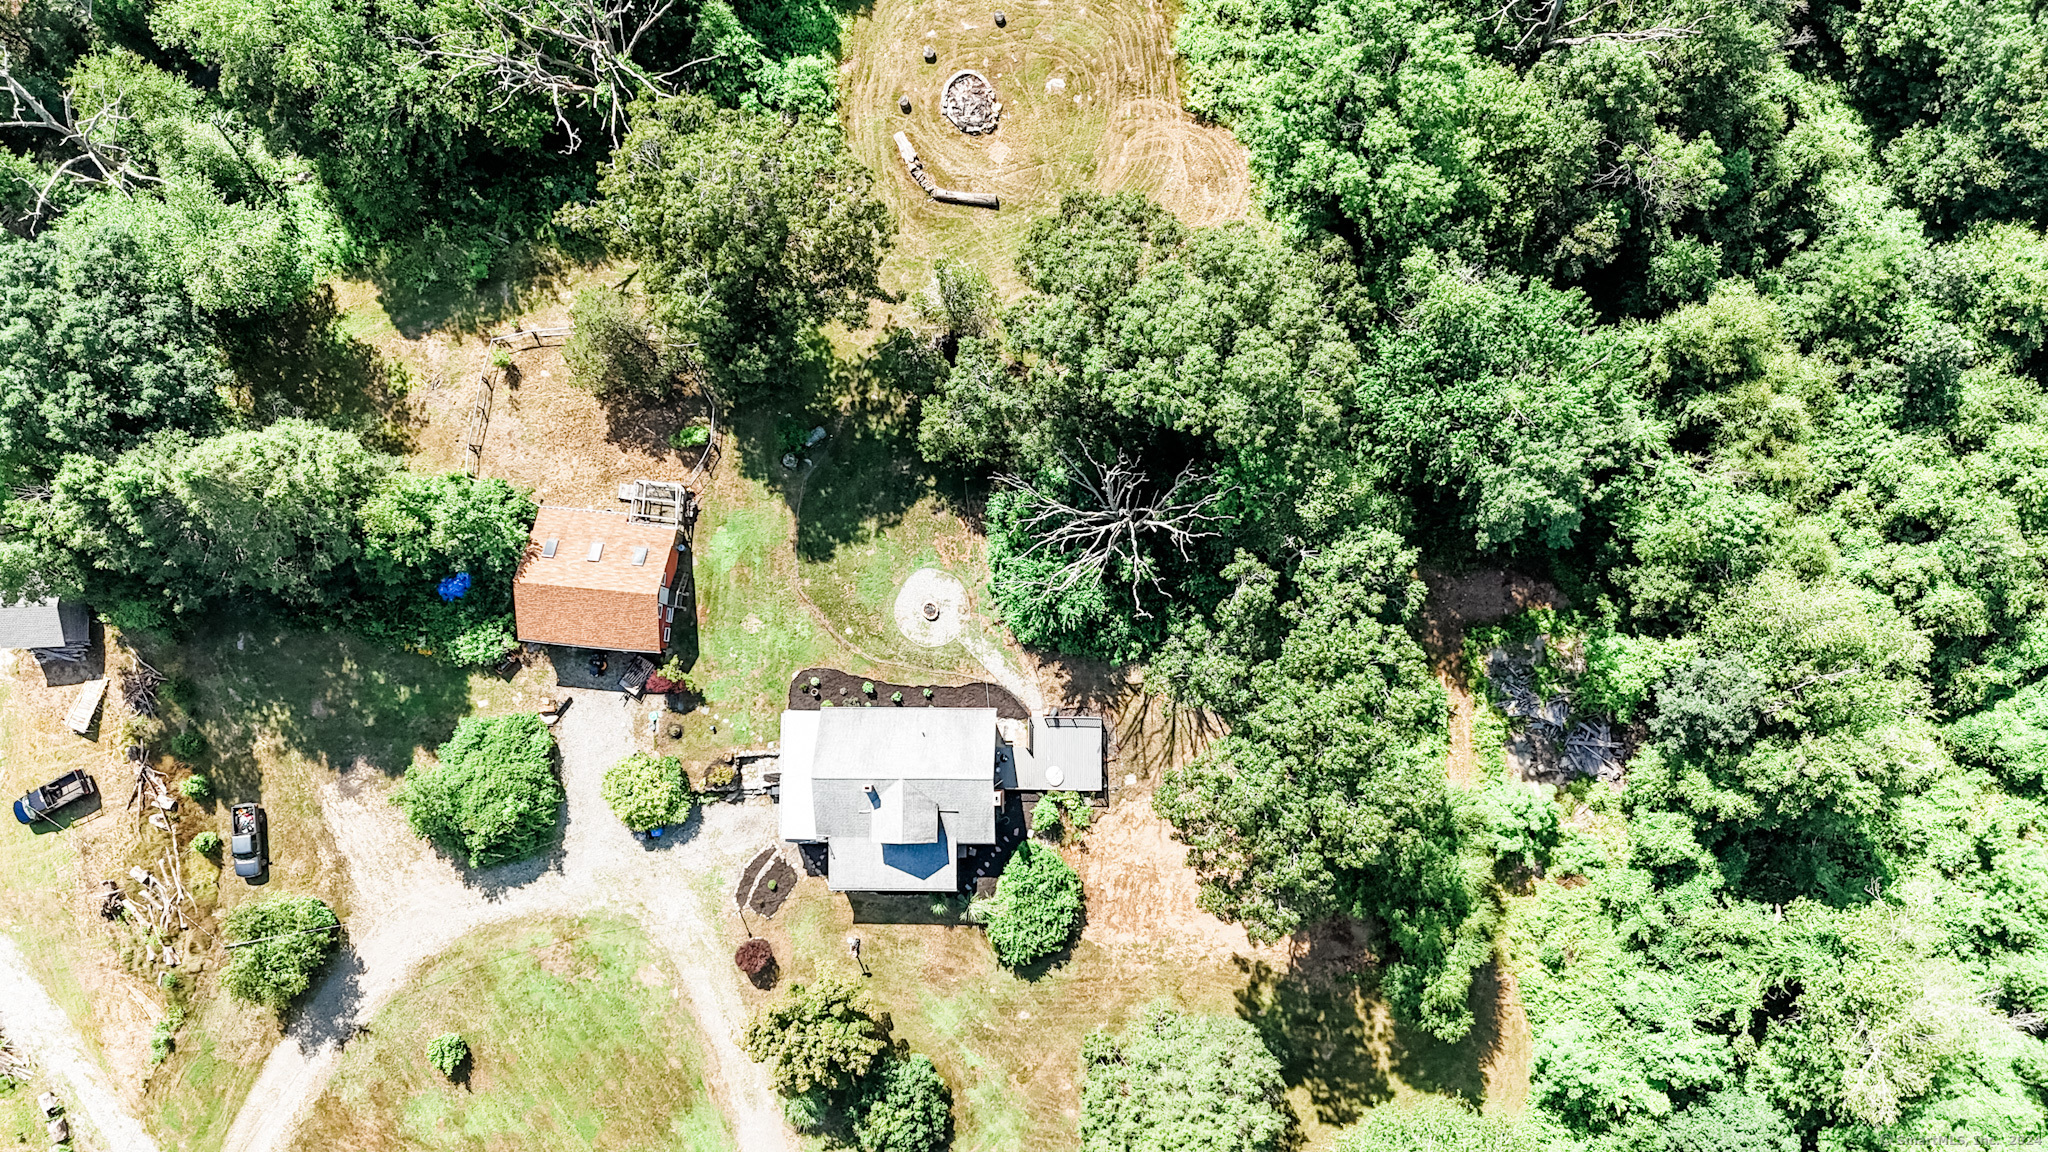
column 251, row 842
column 40, row 802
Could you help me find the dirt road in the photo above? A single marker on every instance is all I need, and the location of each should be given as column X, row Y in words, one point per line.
column 413, row 903
column 41, row 1030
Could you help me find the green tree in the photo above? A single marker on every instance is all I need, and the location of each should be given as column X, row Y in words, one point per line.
column 826, row 1036
column 185, row 523
column 1502, row 408
column 906, row 1107
column 419, row 530
column 1381, row 118
column 95, row 355
column 448, row 1052
column 1173, row 1081
column 649, row 791
column 612, row 352
column 750, row 230
column 292, row 941
column 491, row 794
column 1440, row 1125
column 1036, row 906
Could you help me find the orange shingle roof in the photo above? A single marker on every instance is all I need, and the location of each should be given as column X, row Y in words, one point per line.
column 610, row 602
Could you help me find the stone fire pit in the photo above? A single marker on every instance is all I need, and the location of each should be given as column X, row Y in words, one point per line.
column 969, row 101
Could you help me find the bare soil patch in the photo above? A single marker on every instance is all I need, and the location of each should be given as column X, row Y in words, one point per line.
column 1455, row 603
column 845, row 690
column 544, row 433
column 1139, row 889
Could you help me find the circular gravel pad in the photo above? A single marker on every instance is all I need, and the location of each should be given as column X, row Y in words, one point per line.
column 931, row 586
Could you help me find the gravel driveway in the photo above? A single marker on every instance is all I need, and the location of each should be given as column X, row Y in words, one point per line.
column 412, row 903
column 39, row 1028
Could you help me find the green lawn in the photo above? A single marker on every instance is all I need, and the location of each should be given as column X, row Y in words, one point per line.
column 579, row 1041
column 1010, row 1043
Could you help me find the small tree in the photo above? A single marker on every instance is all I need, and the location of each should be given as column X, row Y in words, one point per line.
column 196, row 788
column 1178, row 1081
column 1035, row 907
column 613, row 352
column 825, row 1036
column 206, row 843
column 492, row 795
column 290, row 945
column 649, row 791
column 907, row 1108
column 754, row 957
column 448, row 1052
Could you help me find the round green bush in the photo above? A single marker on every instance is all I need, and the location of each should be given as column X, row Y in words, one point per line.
column 491, row 794
column 649, row 791
column 906, row 1108
column 1036, row 905
column 196, row 788
column 186, row 745
column 827, row 1036
column 206, row 843
column 448, row 1052
column 291, row 948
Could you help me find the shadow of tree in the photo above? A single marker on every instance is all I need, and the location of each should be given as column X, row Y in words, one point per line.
column 339, row 701
column 426, row 287
column 1454, row 1068
column 306, row 364
column 1330, row 1033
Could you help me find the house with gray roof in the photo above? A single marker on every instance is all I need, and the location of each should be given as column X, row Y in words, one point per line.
column 892, row 792
column 895, row 793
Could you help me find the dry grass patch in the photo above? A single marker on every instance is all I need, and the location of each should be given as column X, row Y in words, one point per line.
column 1090, row 100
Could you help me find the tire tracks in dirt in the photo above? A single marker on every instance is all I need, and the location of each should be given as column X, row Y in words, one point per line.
column 37, row 1026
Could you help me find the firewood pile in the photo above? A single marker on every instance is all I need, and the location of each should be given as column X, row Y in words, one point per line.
column 969, row 102
column 138, row 688
column 13, row 1065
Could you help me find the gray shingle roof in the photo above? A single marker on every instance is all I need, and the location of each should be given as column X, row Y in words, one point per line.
column 894, row 791
column 1073, row 744
column 47, row 623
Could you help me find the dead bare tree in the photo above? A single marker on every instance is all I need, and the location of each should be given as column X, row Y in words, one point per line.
column 574, row 52
column 98, row 160
column 1116, row 513
column 1547, row 24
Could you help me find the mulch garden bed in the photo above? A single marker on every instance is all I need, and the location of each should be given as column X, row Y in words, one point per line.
column 766, row 883
column 844, row 691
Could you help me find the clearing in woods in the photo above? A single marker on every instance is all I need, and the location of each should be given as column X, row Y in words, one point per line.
column 1091, row 100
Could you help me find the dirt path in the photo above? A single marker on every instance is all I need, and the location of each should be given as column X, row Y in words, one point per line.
column 1456, row 603
column 414, row 904
column 39, row 1028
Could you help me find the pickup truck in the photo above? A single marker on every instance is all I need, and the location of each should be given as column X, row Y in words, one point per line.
column 40, row 802
column 250, row 844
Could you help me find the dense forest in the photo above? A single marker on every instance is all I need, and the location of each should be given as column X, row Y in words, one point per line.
column 1729, row 318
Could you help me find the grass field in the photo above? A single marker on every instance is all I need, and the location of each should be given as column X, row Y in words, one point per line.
column 1010, row 1043
column 1090, row 100
column 578, row 1042
column 21, row 1122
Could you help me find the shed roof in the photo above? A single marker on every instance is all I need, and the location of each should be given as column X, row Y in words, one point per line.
column 593, row 579
column 45, row 623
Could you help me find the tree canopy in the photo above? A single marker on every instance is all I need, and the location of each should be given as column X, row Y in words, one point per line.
column 491, row 793
column 1176, row 1081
